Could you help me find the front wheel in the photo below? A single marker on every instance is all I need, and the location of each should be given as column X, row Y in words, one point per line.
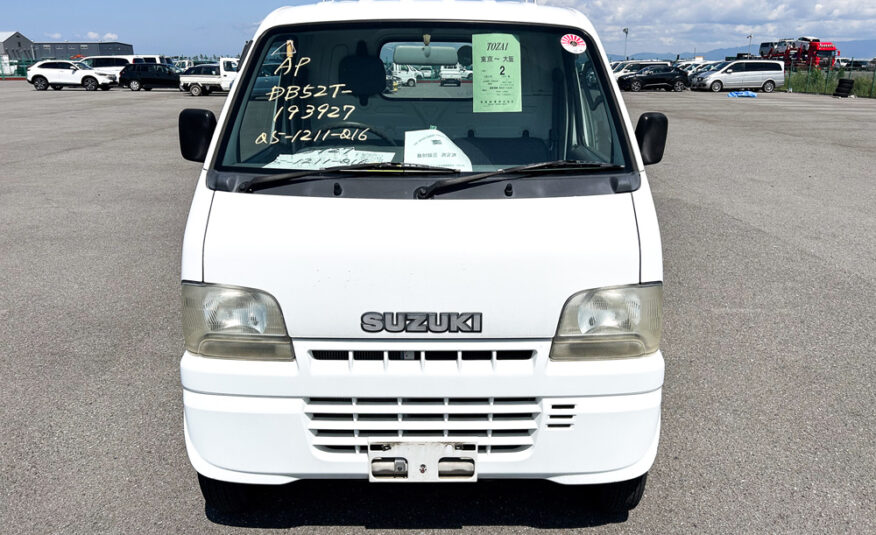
column 716, row 86
column 90, row 84
column 678, row 86
column 622, row 496
column 224, row 496
column 135, row 85
column 635, row 86
column 411, row 82
column 196, row 90
column 768, row 86
column 40, row 83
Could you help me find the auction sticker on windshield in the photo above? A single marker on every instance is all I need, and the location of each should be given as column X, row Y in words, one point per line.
column 496, row 73
column 573, row 43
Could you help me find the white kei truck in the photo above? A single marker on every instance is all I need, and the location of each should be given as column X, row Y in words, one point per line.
column 439, row 285
column 204, row 79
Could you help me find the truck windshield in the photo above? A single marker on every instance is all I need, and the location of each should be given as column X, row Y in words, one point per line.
column 496, row 96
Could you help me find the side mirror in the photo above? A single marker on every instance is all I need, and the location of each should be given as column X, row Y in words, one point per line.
column 195, row 132
column 651, row 135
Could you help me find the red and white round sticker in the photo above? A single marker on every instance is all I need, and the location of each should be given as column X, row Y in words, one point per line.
column 573, row 43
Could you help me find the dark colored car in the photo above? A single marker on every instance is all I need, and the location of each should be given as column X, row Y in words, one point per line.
column 659, row 76
column 146, row 76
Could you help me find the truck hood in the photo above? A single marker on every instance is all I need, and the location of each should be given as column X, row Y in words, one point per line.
column 328, row 261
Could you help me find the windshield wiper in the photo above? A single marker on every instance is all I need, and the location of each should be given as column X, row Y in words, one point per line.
column 519, row 171
column 267, row 181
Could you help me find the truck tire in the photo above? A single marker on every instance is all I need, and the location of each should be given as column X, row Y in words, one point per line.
column 135, row 85
column 89, row 83
column 40, row 83
column 57, row 87
column 716, row 86
column 411, row 82
column 224, row 496
column 622, row 496
column 768, row 86
column 196, row 90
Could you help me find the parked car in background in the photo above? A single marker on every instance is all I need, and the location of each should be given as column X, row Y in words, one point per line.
column 408, row 74
column 454, row 74
column 110, row 64
column 155, row 58
column 765, row 75
column 635, row 66
column 204, row 79
column 59, row 74
column 656, row 77
column 147, row 76
column 858, row 65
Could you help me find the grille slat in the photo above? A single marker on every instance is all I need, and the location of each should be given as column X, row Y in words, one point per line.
column 425, row 409
column 418, row 425
column 497, row 425
column 416, row 355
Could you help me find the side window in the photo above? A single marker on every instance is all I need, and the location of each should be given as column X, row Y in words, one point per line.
column 774, row 67
column 214, row 71
column 149, row 60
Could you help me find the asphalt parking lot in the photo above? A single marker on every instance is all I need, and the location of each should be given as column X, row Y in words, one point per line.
column 769, row 425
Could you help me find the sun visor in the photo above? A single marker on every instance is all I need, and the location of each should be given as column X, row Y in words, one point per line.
column 425, row 55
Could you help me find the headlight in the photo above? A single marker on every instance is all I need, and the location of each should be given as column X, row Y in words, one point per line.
column 616, row 322
column 234, row 323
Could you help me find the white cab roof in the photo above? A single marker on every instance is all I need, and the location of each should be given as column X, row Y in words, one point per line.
column 447, row 10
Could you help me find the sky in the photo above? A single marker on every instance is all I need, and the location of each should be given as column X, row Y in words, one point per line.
column 664, row 26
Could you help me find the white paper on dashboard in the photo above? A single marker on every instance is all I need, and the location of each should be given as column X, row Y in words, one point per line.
column 433, row 147
column 321, row 158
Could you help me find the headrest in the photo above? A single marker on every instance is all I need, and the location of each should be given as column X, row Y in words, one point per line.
column 362, row 74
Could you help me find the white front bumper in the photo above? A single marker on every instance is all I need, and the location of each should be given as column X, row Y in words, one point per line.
column 587, row 422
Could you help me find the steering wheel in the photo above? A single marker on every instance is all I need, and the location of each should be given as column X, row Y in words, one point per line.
column 353, row 125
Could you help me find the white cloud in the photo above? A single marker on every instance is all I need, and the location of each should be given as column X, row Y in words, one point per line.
column 92, row 35
column 671, row 26
column 109, row 36
column 55, row 35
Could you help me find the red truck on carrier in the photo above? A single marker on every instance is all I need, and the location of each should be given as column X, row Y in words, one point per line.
column 804, row 52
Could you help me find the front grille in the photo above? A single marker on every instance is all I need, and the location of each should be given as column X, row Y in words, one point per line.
column 497, row 425
column 421, row 356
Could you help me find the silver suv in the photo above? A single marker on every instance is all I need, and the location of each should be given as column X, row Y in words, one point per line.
column 742, row 74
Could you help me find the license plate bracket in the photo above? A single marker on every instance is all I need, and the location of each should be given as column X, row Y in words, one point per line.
column 422, row 461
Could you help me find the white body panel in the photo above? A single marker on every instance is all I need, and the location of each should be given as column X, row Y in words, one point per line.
column 329, row 260
column 492, row 259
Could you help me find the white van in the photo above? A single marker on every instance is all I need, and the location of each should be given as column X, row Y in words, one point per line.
column 765, row 75
column 445, row 284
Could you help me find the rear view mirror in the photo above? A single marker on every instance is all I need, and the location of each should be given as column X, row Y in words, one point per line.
column 195, row 132
column 651, row 135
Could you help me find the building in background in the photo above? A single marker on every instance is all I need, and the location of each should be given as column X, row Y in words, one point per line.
column 68, row 50
column 15, row 46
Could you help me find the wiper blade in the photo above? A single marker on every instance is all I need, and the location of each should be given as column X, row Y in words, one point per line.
column 396, row 166
column 326, row 172
column 426, row 192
